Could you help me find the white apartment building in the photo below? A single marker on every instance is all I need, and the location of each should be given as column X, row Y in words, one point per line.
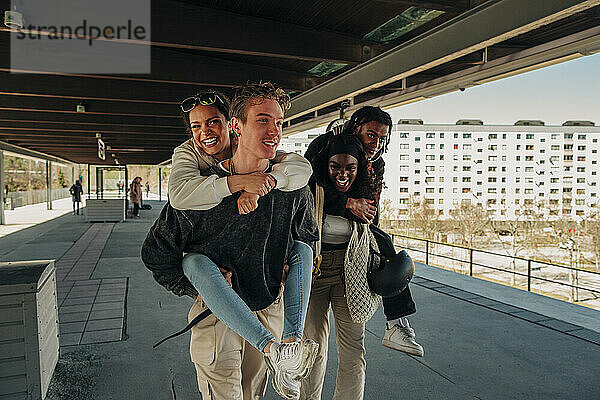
column 505, row 168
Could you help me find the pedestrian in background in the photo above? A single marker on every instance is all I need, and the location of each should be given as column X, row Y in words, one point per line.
column 76, row 191
column 135, row 195
column 147, row 189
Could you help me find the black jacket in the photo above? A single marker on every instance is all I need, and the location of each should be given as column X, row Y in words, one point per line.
column 254, row 246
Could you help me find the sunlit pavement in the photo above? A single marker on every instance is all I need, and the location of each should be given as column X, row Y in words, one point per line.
column 481, row 340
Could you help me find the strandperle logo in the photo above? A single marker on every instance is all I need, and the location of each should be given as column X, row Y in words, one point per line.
column 84, row 31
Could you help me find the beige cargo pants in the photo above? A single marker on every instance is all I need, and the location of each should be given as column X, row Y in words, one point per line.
column 328, row 290
column 228, row 367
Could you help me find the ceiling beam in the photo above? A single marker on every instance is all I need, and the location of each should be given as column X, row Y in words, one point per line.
column 176, row 25
column 190, row 26
column 91, row 119
column 450, row 6
column 490, row 23
column 174, row 67
column 91, row 106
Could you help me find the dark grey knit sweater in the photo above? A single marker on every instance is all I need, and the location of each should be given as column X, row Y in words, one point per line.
column 254, row 246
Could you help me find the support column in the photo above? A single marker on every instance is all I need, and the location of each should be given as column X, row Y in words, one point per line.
column 125, row 189
column 89, row 180
column 2, row 191
column 49, row 185
column 159, row 183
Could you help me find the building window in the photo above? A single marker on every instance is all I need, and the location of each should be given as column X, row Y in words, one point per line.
column 441, row 135
column 403, row 179
column 466, row 136
column 580, row 147
column 441, row 146
column 580, row 169
column 492, row 179
column 555, row 147
column 430, row 135
column 581, row 137
column 493, row 136
column 529, row 147
column 493, row 147
column 492, row 190
column 466, row 179
column 467, row 147
column 568, row 136
column 430, row 146
column 568, row 147
column 456, row 136
column 403, row 190
column 491, row 169
column 403, row 135
column 430, row 157
column 417, row 138
column 466, row 157
column 528, row 158
column 417, row 150
column 466, row 190
column 429, row 179
column 403, row 146
column 429, row 190
column 529, row 136
column 580, row 158
column 518, row 136
column 455, row 146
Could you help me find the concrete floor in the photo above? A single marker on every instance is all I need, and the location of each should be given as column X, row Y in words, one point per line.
column 478, row 343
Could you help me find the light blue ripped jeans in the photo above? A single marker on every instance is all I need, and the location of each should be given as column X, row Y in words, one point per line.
column 228, row 306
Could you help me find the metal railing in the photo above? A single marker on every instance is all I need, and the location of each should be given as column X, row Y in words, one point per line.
column 27, row 197
column 538, row 276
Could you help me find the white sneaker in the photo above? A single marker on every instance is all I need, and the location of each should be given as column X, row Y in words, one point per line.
column 402, row 339
column 289, row 363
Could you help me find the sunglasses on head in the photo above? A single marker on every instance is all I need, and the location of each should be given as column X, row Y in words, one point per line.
column 206, row 99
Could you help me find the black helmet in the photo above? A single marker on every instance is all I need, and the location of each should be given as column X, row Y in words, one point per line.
column 392, row 275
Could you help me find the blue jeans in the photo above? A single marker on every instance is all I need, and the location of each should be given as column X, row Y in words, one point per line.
column 228, row 306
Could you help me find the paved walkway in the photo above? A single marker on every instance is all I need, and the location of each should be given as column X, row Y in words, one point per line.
column 31, row 215
column 481, row 340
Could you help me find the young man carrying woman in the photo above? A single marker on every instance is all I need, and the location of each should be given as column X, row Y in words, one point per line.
column 235, row 259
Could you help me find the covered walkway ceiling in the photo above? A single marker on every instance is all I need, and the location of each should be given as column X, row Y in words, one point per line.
column 383, row 52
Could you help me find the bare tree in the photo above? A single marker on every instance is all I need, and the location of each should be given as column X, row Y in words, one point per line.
column 591, row 230
column 469, row 221
column 387, row 212
column 524, row 231
column 427, row 221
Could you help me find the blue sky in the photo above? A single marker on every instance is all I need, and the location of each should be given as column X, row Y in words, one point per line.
column 567, row 91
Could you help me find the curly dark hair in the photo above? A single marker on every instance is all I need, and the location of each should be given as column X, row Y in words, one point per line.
column 366, row 184
column 251, row 94
column 370, row 114
column 223, row 107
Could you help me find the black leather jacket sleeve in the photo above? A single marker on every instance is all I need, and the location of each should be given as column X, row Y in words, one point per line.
column 162, row 251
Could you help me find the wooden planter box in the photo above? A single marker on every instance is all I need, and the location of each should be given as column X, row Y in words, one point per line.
column 105, row 210
column 28, row 329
